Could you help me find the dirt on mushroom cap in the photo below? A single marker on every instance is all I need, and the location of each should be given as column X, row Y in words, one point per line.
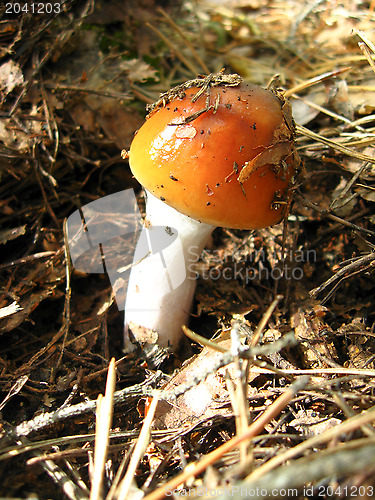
column 220, row 152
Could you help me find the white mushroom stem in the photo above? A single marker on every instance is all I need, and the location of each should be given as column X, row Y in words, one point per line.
column 162, row 280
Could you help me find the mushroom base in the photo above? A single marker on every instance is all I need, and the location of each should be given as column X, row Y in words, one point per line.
column 162, row 281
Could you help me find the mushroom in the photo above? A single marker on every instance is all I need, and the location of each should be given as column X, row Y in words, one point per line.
column 214, row 151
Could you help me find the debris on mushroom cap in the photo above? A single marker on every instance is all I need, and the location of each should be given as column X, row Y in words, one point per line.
column 220, row 151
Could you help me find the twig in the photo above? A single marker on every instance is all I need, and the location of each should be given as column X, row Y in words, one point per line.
column 356, row 372
column 328, row 112
column 9, row 310
column 61, row 39
column 334, row 145
column 185, row 39
column 73, row 490
column 341, row 198
column 344, row 273
column 288, row 340
column 348, row 458
column 349, row 425
column 28, row 258
column 255, row 339
column 174, row 49
column 313, row 81
column 104, row 412
column 367, row 47
column 339, row 399
column 140, row 448
column 143, row 390
column 68, row 295
column 238, row 394
column 265, row 319
column 254, row 429
column 15, row 389
column 48, row 419
column 338, row 219
column 85, row 90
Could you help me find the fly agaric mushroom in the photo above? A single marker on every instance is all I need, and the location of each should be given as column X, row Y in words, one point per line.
column 214, row 151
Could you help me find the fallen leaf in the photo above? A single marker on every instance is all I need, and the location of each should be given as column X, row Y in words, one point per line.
column 273, row 155
column 310, row 423
column 138, row 70
column 11, row 234
column 10, row 76
column 203, row 400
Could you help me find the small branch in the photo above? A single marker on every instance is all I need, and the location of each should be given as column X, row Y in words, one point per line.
column 348, row 458
column 359, row 265
column 144, row 390
column 253, row 430
column 332, row 144
column 346, row 427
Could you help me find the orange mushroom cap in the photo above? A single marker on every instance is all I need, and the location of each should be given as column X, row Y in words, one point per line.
column 220, row 153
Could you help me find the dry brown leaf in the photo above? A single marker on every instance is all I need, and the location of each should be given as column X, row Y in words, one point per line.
column 303, row 108
column 310, row 423
column 14, row 137
column 11, row 234
column 138, row 70
column 353, row 164
column 203, row 400
column 10, row 76
column 273, row 155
